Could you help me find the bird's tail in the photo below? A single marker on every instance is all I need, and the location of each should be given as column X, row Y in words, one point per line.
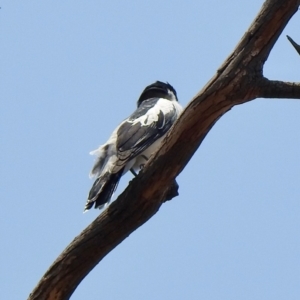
column 103, row 189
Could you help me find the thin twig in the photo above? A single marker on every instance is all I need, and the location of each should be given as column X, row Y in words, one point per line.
column 296, row 46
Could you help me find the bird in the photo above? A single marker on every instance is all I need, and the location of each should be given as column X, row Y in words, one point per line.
column 133, row 141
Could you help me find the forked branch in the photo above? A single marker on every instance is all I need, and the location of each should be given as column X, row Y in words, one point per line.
column 238, row 80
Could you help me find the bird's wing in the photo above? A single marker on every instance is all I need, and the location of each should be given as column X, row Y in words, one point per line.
column 152, row 119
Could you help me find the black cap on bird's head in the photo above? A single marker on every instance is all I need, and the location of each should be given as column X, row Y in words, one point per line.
column 158, row 89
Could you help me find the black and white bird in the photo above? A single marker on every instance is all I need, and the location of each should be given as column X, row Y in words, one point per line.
column 133, row 141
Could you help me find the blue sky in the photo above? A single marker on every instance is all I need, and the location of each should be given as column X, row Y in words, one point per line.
column 70, row 72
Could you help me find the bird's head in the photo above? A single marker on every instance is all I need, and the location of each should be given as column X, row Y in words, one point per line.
column 158, row 89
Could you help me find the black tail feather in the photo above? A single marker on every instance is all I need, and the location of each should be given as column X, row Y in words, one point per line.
column 102, row 189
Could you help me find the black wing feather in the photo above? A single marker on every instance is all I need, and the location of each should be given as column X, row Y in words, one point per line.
column 133, row 139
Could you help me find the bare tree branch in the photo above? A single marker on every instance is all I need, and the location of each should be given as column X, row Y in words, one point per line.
column 296, row 46
column 238, row 80
column 278, row 89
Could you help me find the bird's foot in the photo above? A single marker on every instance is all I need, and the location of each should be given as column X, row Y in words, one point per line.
column 133, row 172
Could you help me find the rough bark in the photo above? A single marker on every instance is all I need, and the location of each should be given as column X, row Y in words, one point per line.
column 237, row 81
